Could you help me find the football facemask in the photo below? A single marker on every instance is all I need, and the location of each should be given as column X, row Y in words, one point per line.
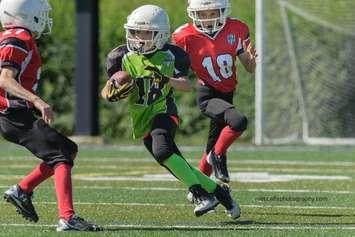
column 196, row 8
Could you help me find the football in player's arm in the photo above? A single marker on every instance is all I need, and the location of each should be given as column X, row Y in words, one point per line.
column 155, row 69
column 24, row 21
column 214, row 41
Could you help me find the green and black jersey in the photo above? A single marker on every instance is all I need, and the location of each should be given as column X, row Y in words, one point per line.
column 149, row 98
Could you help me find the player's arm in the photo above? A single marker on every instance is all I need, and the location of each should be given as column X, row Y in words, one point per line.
column 10, row 85
column 180, row 80
column 113, row 91
column 248, row 57
column 181, row 83
column 246, row 51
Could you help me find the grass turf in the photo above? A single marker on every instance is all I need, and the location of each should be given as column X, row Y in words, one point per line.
column 111, row 187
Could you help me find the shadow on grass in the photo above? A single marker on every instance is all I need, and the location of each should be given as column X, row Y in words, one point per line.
column 227, row 225
column 302, row 214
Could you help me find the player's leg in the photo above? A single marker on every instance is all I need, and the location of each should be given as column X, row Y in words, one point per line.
column 14, row 127
column 162, row 146
column 204, row 95
column 58, row 152
column 236, row 123
column 55, row 150
column 214, row 104
column 213, row 134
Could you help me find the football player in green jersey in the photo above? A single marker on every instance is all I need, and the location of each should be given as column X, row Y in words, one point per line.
column 156, row 69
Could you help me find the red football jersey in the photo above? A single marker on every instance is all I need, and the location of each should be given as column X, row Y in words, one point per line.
column 214, row 58
column 18, row 49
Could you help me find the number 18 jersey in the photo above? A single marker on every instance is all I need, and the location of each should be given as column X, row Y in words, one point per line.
column 214, row 58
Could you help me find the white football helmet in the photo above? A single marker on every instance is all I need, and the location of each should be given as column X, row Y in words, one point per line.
column 194, row 6
column 147, row 18
column 30, row 14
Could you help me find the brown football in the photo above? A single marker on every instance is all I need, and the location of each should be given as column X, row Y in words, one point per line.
column 121, row 77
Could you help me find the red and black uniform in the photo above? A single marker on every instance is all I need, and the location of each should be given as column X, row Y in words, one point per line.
column 214, row 63
column 18, row 124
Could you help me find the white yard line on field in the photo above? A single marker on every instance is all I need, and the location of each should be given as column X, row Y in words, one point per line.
column 205, row 227
column 189, row 205
column 183, row 189
column 148, row 159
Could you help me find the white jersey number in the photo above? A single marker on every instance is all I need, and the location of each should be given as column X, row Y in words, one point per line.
column 225, row 64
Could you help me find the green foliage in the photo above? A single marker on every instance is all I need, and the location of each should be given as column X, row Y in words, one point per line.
column 58, row 51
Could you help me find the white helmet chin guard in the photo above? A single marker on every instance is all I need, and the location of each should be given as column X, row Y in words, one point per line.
column 30, row 14
column 223, row 6
column 147, row 18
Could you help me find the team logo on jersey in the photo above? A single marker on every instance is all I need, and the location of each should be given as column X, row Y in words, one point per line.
column 231, row 39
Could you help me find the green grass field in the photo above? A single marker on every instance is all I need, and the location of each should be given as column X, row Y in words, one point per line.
column 287, row 191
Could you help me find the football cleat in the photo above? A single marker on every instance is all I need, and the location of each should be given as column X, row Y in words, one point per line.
column 190, row 197
column 22, row 201
column 76, row 223
column 204, row 201
column 223, row 195
column 219, row 166
column 233, row 212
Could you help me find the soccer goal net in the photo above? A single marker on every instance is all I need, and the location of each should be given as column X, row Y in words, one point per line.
column 308, row 75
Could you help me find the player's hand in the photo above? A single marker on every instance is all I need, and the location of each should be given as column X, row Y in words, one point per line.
column 157, row 75
column 250, row 50
column 118, row 92
column 45, row 109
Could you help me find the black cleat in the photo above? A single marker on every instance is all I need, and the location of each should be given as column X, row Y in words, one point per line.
column 223, row 195
column 77, row 223
column 219, row 166
column 204, row 201
column 22, row 201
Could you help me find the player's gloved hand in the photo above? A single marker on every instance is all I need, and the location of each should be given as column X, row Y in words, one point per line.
column 118, row 92
column 158, row 76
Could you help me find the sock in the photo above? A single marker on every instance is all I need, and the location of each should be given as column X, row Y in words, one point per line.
column 39, row 174
column 63, row 186
column 181, row 169
column 208, row 184
column 225, row 139
column 203, row 166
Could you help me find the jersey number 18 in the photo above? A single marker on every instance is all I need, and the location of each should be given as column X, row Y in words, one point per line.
column 225, row 64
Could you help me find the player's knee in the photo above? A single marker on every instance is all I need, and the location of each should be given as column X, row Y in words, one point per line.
column 236, row 120
column 161, row 154
column 161, row 148
column 66, row 154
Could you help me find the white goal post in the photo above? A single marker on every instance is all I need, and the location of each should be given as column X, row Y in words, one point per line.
column 305, row 76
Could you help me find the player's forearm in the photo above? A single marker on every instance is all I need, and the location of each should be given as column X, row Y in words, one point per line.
column 181, row 84
column 250, row 65
column 10, row 85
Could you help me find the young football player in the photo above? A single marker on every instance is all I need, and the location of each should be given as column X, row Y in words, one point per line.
column 24, row 21
column 214, row 41
column 146, row 71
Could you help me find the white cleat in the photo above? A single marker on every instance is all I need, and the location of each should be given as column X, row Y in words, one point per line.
column 234, row 213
